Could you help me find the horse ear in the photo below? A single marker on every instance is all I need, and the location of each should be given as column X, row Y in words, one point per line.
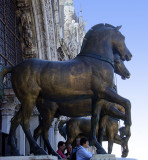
column 118, row 27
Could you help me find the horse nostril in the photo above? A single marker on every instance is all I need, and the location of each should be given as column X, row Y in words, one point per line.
column 128, row 74
column 128, row 58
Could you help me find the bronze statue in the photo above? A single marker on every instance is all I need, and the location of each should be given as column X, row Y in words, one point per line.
column 81, row 126
column 89, row 75
column 108, row 108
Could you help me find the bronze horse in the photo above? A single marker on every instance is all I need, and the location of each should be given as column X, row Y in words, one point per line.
column 89, row 75
column 81, row 126
column 45, row 111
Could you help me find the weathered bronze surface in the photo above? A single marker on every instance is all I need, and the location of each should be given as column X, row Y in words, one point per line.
column 79, row 127
column 89, row 75
column 82, row 108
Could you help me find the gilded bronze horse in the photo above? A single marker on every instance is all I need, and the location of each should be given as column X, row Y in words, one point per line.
column 82, row 108
column 89, row 75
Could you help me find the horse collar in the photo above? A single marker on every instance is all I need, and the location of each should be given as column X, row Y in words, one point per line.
column 98, row 57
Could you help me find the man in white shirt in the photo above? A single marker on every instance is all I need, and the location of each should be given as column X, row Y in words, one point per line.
column 82, row 153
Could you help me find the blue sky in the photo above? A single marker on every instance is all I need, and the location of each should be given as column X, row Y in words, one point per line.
column 133, row 16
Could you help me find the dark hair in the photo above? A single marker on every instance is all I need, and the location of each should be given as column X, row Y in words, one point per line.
column 83, row 141
column 60, row 143
column 68, row 145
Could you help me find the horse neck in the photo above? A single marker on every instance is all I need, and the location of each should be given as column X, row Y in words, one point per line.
column 101, row 49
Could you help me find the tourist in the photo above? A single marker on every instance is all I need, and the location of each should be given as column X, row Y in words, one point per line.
column 61, row 149
column 69, row 151
column 77, row 145
column 82, row 153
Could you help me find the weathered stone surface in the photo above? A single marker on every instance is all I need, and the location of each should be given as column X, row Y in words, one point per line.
column 103, row 157
column 29, row 158
column 108, row 157
column 126, row 159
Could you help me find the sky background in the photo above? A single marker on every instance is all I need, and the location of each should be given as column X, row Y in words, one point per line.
column 133, row 16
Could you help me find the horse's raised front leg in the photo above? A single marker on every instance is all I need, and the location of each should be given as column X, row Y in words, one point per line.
column 124, row 145
column 111, row 96
column 96, row 109
column 113, row 112
column 27, row 108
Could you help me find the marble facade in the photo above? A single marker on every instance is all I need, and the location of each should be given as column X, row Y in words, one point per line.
column 49, row 30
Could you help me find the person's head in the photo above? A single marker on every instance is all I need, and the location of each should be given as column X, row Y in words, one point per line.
column 77, row 141
column 61, row 146
column 69, row 148
column 84, row 142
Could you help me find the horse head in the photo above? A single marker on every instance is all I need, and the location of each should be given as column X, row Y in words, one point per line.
column 120, row 68
column 105, row 39
column 118, row 43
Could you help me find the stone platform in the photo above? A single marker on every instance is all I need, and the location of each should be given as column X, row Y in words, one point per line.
column 29, row 158
column 108, row 157
column 103, row 157
column 95, row 157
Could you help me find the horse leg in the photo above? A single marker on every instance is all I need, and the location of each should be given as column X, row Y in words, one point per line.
column 102, row 128
column 46, row 125
column 70, row 140
column 38, row 131
column 118, row 140
column 15, row 121
column 110, row 145
column 111, row 96
column 110, row 139
column 72, row 134
column 96, row 109
column 47, row 109
column 27, row 108
column 124, row 145
column 101, row 134
column 125, row 150
column 113, row 112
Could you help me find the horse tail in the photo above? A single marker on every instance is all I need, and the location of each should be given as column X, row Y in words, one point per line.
column 62, row 128
column 3, row 71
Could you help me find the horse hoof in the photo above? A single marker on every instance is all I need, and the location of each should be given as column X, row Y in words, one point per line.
column 124, row 154
column 102, row 151
column 15, row 152
column 38, row 151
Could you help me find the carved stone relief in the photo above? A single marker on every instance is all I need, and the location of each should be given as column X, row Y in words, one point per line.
column 26, row 29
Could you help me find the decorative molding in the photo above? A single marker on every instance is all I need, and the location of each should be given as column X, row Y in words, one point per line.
column 26, row 29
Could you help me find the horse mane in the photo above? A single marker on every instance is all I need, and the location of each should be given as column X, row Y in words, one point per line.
column 94, row 28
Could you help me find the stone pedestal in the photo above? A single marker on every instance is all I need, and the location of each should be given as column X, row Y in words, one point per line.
column 103, row 157
column 126, row 159
column 108, row 157
column 29, row 158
